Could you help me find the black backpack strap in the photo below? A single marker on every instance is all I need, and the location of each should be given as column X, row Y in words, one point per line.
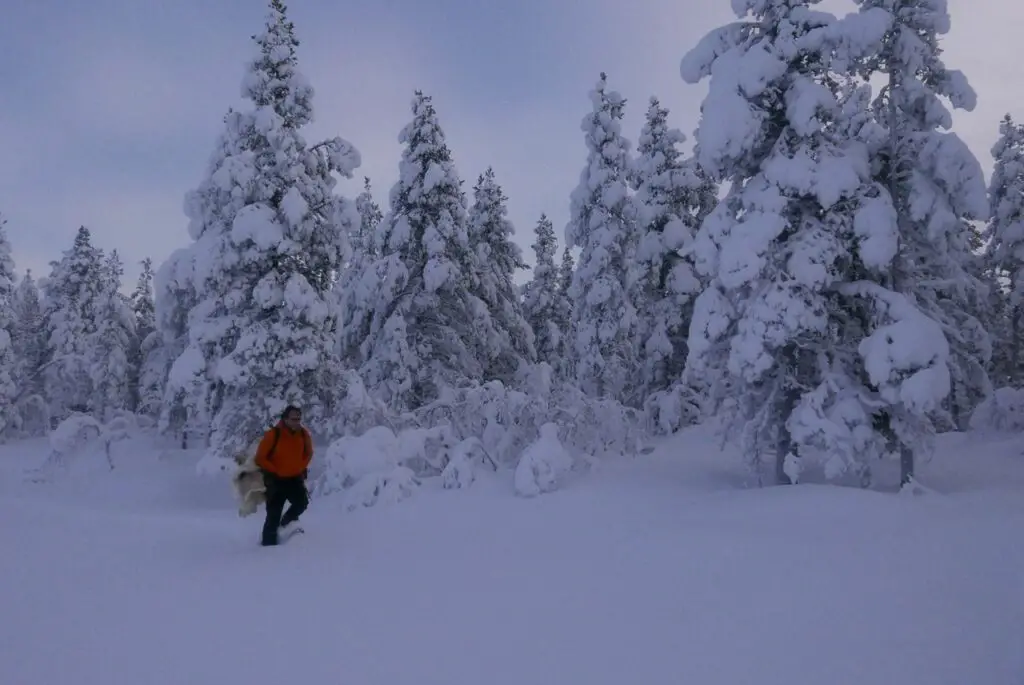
column 273, row 446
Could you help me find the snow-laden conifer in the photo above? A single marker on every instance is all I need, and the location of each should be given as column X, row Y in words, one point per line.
column 601, row 224
column 71, row 296
column 673, row 195
column 145, row 337
column 270, row 238
column 174, row 385
column 798, row 332
column 1005, row 253
column 566, row 268
column 937, row 188
column 497, row 259
column 9, row 362
column 29, row 341
column 542, row 296
column 110, row 349
column 417, row 326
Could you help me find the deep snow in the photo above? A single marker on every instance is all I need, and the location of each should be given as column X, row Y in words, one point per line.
column 667, row 568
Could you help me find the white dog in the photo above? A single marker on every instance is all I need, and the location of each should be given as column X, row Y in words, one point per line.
column 248, row 482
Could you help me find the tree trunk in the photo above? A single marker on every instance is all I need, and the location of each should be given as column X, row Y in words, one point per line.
column 785, row 445
column 781, row 477
column 906, row 465
column 1015, row 342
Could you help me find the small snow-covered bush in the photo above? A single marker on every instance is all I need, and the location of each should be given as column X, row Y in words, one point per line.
column 543, row 465
column 672, row 409
column 380, row 456
column 506, row 420
column 1003, row 410
column 74, row 432
column 79, row 432
column 377, row 465
column 389, row 487
column 357, row 410
column 466, row 459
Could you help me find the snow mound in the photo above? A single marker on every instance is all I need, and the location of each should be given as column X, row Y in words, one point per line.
column 543, row 465
column 1002, row 411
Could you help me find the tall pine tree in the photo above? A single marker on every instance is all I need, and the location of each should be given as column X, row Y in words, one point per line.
column 798, row 332
column 71, row 297
column 8, row 360
column 1005, row 253
column 358, row 283
column 566, row 369
column 542, row 297
column 29, row 340
column 145, row 338
column 497, row 259
column 602, row 225
column 173, row 380
column 271, row 236
column 421, row 329
column 673, row 195
column 937, row 188
column 111, row 346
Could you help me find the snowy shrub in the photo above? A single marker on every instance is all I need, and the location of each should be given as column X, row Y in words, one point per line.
column 507, row 420
column 74, row 432
column 80, row 432
column 464, row 462
column 543, row 465
column 390, row 487
column 1003, row 410
column 357, row 409
column 466, row 430
column 672, row 409
column 379, row 461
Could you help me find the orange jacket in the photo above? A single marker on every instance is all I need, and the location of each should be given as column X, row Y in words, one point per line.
column 292, row 455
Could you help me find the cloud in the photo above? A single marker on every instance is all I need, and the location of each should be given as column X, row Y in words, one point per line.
column 115, row 122
column 136, row 125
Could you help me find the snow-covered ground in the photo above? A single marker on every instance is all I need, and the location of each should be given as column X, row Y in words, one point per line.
column 662, row 569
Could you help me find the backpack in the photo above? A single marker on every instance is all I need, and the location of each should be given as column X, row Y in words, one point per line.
column 277, row 436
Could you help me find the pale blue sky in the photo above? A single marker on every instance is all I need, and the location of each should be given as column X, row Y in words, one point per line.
column 111, row 107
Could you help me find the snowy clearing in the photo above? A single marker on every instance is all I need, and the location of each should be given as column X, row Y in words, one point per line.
column 662, row 569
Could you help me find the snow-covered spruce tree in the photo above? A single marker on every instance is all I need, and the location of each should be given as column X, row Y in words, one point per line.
column 29, row 340
column 370, row 216
column 145, row 337
column 795, row 325
column 111, row 345
column 565, row 368
column 935, row 180
column 173, row 385
column 496, row 259
column 271, row 236
column 673, row 195
column 357, row 285
column 420, row 329
column 1004, row 254
column 9, row 362
column 71, row 295
column 601, row 224
column 542, row 295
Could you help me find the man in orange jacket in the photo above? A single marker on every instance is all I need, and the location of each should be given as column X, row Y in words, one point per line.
column 283, row 455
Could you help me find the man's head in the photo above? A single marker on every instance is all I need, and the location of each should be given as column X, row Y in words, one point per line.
column 292, row 417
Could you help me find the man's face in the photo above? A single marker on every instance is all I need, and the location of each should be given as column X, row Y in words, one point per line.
column 293, row 420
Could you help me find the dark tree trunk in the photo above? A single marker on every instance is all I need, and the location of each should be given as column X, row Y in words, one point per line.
column 906, row 465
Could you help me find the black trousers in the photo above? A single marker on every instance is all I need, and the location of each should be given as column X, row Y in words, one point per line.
column 279, row 491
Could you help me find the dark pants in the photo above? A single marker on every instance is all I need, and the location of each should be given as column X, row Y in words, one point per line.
column 279, row 491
